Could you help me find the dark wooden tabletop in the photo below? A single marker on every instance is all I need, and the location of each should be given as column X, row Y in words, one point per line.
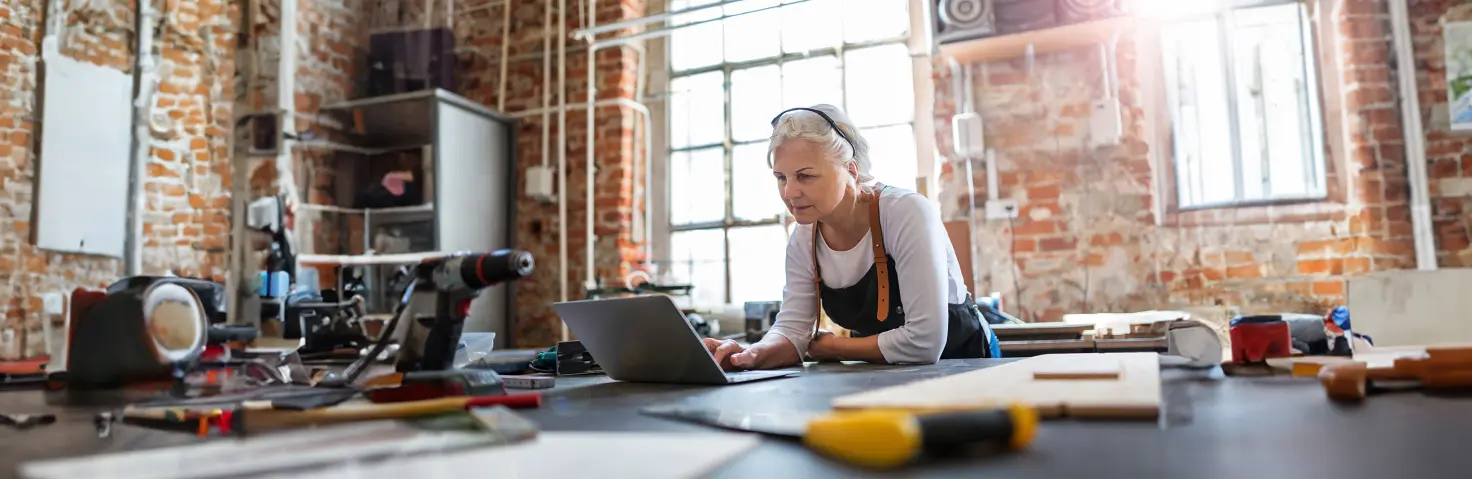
column 1274, row 427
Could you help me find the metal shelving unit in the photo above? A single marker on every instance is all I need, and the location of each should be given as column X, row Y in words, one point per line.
column 464, row 170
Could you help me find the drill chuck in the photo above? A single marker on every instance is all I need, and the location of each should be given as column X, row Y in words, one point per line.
column 475, row 271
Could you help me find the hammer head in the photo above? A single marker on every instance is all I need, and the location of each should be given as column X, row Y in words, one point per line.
column 1344, row 381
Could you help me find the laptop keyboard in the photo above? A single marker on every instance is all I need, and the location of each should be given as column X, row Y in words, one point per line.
column 748, row 374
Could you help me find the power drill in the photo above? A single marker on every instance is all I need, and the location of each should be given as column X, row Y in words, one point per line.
column 457, row 280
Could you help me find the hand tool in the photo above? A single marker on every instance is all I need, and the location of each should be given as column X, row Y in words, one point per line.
column 529, row 381
column 309, row 451
column 419, row 385
column 458, row 279
column 877, row 438
column 254, row 419
column 25, row 421
column 1438, row 368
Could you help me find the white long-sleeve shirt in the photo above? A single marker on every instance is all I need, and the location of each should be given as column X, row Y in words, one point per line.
column 929, row 278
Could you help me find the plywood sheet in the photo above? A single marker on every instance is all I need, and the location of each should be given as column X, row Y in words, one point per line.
column 1412, row 308
column 1134, row 394
column 959, row 233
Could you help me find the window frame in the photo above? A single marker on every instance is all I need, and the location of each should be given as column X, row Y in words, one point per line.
column 664, row 74
column 1319, row 108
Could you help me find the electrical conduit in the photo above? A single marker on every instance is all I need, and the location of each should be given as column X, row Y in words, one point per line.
column 142, row 136
column 1410, row 110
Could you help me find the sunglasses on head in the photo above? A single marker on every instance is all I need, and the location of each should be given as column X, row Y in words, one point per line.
column 825, row 117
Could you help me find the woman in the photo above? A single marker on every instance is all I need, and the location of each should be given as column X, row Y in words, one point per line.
column 875, row 258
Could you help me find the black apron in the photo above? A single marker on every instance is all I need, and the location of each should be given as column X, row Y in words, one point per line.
column 873, row 305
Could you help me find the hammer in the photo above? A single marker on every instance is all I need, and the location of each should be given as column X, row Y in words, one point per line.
column 1439, row 368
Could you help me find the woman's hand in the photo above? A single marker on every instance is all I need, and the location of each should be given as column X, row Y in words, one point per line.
column 765, row 354
column 722, row 351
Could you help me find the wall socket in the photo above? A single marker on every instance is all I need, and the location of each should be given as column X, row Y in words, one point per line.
column 55, row 303
column 539, row 183
column 1001, row 209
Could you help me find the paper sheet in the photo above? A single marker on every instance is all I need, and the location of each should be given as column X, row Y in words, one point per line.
column 412, row 453
column 564, row 454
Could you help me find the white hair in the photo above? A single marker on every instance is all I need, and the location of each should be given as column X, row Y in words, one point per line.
column 806, row 125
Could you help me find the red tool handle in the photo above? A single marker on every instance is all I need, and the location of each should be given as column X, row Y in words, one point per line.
column 514, row 401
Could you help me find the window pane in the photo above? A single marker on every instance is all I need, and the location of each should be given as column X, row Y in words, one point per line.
column 697, row 186
column 880, row 86
column 1201, row 118
column 756, row 95
column 761, row 273
column 1278, row 152
column 698, row 258
column 867, row 20
column 812, row 81
column 892, row 151
column 749, row 6
column 697, row 110
column 755, row 195
column 752, row 36
column 697, row 46
column 811, row 26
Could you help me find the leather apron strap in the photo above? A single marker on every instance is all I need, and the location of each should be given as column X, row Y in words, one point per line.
column 881, row 262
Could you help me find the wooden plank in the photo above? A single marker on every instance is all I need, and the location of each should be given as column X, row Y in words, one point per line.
column 1102, row 370
column 1135, row 394
column 1047, row 345
column 959, row 233
column 1131, row 343
column 1039, row 329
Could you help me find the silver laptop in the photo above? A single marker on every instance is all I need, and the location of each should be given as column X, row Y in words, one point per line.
column 646, row 339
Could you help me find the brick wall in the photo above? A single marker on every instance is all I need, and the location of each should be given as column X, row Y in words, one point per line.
column 1088, row 237
column 187, row 187
column 479, row 34
column 1449, row 154
column 184, row 199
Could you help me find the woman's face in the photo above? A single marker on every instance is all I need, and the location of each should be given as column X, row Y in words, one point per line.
column 811, row 186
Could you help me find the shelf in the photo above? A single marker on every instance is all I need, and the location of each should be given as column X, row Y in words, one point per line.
column 424, row 208
column 334, row 146
column 405, row 118
column 1048, row 40
column 367, row 259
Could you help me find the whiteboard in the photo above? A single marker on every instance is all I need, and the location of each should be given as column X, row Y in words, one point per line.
column 86, row 148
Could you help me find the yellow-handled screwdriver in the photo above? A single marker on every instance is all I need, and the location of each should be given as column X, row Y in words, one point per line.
column 878, row 438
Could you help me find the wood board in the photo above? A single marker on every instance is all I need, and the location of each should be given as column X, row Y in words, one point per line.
column 1134, row 395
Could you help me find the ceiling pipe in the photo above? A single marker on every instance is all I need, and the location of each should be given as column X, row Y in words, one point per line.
column 1415, row 135
column 592, row 30
column 626, row 39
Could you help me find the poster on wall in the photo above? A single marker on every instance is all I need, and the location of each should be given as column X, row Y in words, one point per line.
column 1458, row 39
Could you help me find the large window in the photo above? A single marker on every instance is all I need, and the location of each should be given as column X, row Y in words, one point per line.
column 729, row 75
column 1243, row 90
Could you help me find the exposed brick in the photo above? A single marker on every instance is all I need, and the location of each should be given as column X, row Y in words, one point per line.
column 1275, row 258
column 1329, row 288
column 101, row 33
column 616, row 173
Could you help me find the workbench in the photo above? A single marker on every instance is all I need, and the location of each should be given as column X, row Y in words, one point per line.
column 1270, row 427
